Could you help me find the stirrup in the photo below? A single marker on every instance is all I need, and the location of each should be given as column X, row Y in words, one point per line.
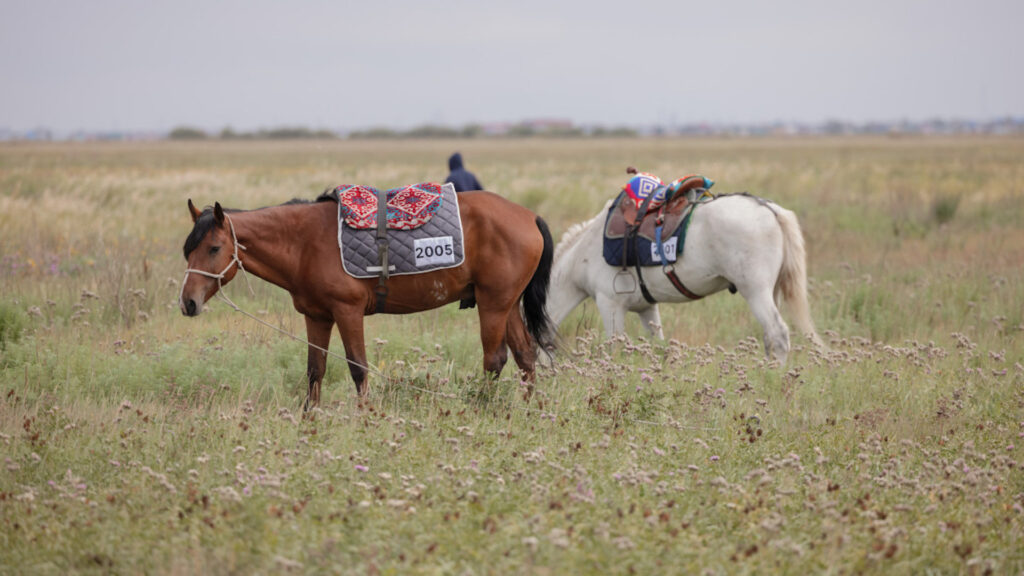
column 624, row 282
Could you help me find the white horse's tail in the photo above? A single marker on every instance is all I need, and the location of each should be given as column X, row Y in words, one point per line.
column 792, row 282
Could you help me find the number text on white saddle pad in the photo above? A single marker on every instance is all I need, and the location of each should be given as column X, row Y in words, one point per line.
column 438, row 250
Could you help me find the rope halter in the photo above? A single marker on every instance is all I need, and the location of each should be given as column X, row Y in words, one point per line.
column 220, row 276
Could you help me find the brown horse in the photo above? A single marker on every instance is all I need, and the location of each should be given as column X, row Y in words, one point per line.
column 508, row 259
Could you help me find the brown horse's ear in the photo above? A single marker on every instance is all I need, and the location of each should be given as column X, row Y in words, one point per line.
column 193, row 211
column 218, row 213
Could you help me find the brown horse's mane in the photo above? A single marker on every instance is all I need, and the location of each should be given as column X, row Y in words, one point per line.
column 203, row 224
column 206, row 222
column 328, row 195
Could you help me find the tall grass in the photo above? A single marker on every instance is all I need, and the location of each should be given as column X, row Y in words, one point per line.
column 136, row 440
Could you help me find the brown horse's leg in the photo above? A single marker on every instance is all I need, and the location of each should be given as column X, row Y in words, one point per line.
column 318, row 332
column 522, row 345
column 492, row 336
column 350, row 325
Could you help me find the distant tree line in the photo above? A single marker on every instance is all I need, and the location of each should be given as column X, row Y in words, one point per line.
column 425, row 131
column 521, row 130
column 428, row 131
column 555, row 128
column 285, row 133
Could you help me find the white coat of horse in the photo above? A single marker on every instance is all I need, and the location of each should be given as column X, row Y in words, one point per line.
column 739, row 239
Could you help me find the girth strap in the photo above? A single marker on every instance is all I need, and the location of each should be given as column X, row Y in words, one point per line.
column 670, row 269
column 643, row 285
column 382, row 248
column 667, row 267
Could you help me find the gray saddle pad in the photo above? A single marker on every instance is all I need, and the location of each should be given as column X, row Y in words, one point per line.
column 434, row 246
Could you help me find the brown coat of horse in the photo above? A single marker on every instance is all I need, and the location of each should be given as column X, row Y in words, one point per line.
column 508, row 252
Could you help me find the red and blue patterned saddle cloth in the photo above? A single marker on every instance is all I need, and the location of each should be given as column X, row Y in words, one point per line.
column 408, row 207
column 435, row 245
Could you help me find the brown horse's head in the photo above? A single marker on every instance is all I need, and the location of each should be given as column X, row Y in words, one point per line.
column 211, row 253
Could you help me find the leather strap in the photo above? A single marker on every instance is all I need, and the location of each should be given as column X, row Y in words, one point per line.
column 670, row 269
column 632, row 230
column 382, row 249
column 643, row 285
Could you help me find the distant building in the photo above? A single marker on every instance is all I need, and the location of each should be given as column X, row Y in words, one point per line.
column 545, row 125
column 38, row 134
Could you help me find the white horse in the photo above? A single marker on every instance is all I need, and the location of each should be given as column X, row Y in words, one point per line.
column 736, row 239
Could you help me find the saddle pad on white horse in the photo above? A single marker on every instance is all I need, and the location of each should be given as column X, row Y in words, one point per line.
column 435, row 245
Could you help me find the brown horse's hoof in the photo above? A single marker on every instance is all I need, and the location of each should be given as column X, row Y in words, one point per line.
column 309, row 405
column 528, row 393
column 630, row 170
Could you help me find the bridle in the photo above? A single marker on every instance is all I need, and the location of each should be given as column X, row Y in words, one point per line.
column 235, row 260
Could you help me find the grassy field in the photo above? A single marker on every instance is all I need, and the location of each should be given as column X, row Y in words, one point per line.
column 136, row 440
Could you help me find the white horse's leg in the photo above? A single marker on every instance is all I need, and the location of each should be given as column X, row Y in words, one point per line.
column 613, row 314
column 651, row 319
column 776, row 333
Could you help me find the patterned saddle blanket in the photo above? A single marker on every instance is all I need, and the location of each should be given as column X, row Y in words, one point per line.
column 433, row 245
column 643, row 185
column 408, row 207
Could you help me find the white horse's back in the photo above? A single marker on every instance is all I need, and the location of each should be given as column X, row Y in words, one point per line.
column 735, row 240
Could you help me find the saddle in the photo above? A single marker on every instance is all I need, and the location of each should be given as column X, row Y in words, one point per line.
column 658, row 212
column 407, row 207
column 642, row 226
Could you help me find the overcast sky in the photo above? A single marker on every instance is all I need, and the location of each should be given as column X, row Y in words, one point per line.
column 156, row 64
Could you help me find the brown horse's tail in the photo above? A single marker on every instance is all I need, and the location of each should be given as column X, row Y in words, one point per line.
column 535, row 296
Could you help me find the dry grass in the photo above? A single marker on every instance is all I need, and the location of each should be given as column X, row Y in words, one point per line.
column 135, row 440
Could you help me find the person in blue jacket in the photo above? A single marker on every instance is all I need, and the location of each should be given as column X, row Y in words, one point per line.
column 463, row 179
